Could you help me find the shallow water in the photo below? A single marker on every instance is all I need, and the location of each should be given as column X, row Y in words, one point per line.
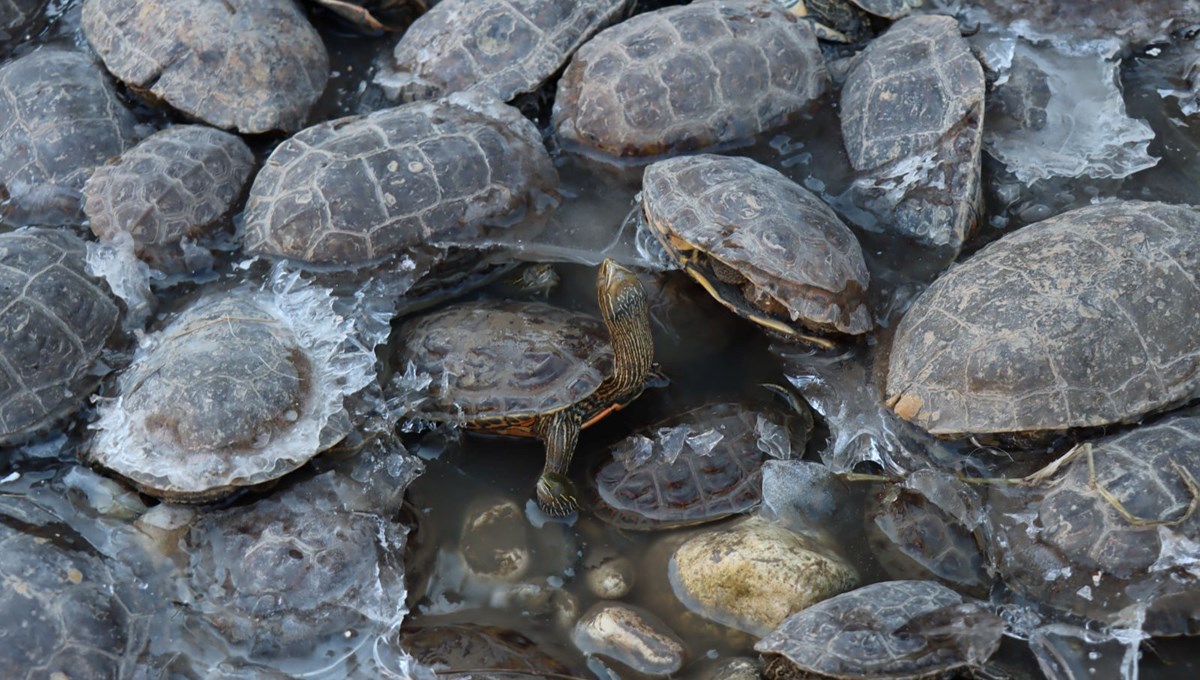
column 708, row 355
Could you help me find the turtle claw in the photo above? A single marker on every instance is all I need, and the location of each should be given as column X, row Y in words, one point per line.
column 556, row 495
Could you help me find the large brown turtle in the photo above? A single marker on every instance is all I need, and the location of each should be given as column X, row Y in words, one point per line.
column 501, row 48
column 427, row 174
column 688, row 78
column 214, row 60
column 761, row 244
column 59, row 118
column 55, row 319
column 533, row 370
column 1082, row 320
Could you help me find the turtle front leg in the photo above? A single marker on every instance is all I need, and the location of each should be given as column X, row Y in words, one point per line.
column 559, row 432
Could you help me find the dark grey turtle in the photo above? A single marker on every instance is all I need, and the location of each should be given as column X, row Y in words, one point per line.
column 1081, row 320
column 374, row 16
column 895, row 630
column 688, row 78
column 59, row 118
column 214, row 60
column 56, row 319
column 761, row 244
column 913, row 537
column 834, row 20
column 533, row 370
column 63, row 611
column 502, row 49
column 912, row 119
column 240, row 388
column 17, row 17
column 475, row 650
column 1060, row 542
column 176, row 184
column 362, row 188
column 702, row 465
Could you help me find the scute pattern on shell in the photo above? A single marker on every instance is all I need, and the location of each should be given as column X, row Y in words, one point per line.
column 782, row 238
column 54, row 322
column 1080, row 320
column 61, row 614
column 175, row 184
column 216, row 61
column 870, row 632
column 693, row 488
column 687, row 78
column 491, row 360
column 465, row 646
column 502, row 48
column 910, row 87
column 59, row 117
column 1100, row 562
column 361, row 188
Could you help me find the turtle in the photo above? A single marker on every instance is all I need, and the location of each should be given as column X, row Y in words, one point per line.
column 715, row 470
column 1107, row 531
column 894, row 630
column 503, row 49
column 913, row 536
column 375, row 16
column 533, row 370
column 476, row 649
column 59, row 118
column 175, row 185
column 762, row 245
column 359, row 189
column 56, row 321
column 240, row 388
column 17, row 16
column 847, row 20
column 912, row 122
column 212, row 60
column 1078, row 321
column 687, row 78
column 66, row 612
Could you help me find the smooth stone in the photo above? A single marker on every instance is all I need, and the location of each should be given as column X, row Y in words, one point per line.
column 631, row 636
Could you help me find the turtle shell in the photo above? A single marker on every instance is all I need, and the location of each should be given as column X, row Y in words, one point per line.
column 1063, row 544
column 214, row 61
column 176, row 184
column 895, row 629
column 687, row 78
column 63, row 616
column 715, row 472
column 489, row 361
column 358, row 189
column 56, row 320
column 503, row 49
column 1080, row 320
column 239, row 389
column 59, row 118
column 888, row 9
column 477, row 649
column 797, row 256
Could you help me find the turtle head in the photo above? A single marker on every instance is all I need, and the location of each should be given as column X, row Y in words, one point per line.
column 627, row 315
column 556, row 495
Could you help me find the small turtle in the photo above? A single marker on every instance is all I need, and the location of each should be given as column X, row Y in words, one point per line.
column 56, row 319
column 688, row 78
column 714, row 470
column 59, row 118
column 532, row 370
column 374, row 16
column 358, row 189
column 213, row 60
column 239, row 389
column 760, row 244
column 64, row 611
column 847, row 20
column 912, row 123
column 475, row 650
column 1110, row 530
column 893, row 630
column 1081, row 320
column 174, row 185
column 503, row 49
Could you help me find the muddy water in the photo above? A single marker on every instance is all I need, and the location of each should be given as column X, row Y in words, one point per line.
column 708, row 354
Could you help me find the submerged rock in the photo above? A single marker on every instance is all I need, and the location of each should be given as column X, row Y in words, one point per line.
column 631, row 636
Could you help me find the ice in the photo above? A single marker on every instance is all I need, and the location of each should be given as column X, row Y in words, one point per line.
column 670, row 442
column 807, row 498
column 703, row 443
column 1067, row 652
column 127, row 277
column 773, row 439
column 949, row 494
column 1177, row 552
column 667, row 444
column 1061, row 114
